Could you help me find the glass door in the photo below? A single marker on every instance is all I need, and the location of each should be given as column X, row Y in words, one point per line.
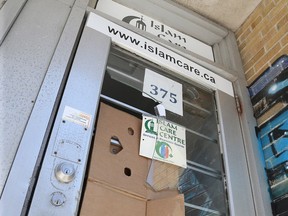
column 203, row 181
column 99, row 73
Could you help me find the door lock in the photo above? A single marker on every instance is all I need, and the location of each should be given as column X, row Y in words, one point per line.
column 65, row 172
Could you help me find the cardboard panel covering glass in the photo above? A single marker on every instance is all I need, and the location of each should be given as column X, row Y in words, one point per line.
column 103, row 200
column 117, row 174
column 113, row 169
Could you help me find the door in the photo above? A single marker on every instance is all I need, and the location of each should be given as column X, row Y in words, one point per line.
column 216, row 180
column 202, row 182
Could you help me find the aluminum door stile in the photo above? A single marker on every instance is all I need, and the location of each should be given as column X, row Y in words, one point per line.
column 240, row 196
column 37, row 122
column 9, row 13
column 70, row 139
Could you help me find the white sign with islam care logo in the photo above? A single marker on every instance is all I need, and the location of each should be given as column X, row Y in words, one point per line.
column 163, row 140
column 155, row 27
column 160, row 55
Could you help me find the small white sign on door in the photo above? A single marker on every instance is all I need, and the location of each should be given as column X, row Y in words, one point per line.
column 164, row 90
column 76, row 116
column 163, row 140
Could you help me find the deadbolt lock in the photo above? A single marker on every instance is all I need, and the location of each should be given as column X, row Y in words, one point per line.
column 65, row 172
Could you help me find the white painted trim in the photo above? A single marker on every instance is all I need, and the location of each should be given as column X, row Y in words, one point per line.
column 159, row 54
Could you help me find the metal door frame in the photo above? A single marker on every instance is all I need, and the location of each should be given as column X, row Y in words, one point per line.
column 226, row 55
column 86, row 76
column 82, row 92
column 16, row 193
column 9, row 13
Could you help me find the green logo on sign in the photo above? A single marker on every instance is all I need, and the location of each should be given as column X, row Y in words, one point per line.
column 149, row 126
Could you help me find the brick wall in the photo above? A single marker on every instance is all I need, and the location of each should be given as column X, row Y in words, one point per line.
column 263, row 37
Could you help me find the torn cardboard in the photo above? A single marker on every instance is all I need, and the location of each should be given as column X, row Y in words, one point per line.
column 117, row 179
column 107, row 201
column 109, row 168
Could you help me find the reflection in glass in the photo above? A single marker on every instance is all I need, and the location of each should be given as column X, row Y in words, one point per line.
column 202, row 182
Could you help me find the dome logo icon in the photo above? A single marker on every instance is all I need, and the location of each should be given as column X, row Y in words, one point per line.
column 139, row 21
column 149, row 126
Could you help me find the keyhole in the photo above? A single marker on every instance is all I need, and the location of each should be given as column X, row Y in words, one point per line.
column 67, row 171
column 58, row 199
